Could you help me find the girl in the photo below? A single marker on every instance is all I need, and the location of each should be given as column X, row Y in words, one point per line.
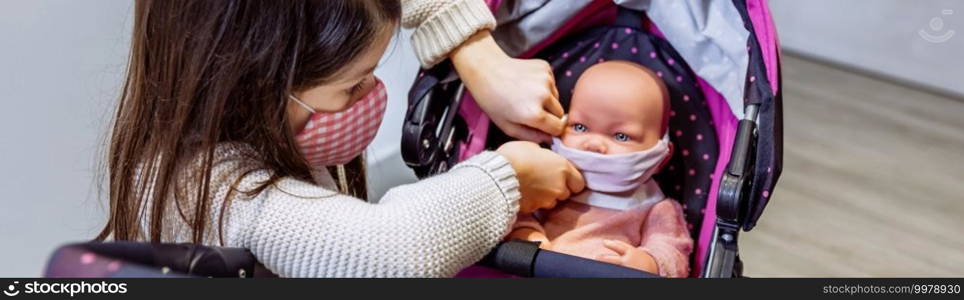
column 233, row 114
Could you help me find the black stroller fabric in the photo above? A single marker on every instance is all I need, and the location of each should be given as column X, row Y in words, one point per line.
column 769, row 152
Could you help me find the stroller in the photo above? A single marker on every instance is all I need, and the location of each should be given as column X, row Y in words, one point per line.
column 719, row 60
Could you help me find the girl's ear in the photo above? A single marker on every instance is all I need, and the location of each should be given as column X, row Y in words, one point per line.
column 669, row 155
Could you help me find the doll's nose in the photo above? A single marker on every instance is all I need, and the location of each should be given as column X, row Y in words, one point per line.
column 594, row 145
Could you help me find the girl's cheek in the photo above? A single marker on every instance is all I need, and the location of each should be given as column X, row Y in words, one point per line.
column 346, row 102
column 335, row 102
column 297, row 117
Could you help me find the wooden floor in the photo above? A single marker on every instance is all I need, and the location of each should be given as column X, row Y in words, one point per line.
column 873, row 181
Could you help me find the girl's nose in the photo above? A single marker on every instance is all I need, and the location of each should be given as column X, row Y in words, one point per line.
column 594, row 145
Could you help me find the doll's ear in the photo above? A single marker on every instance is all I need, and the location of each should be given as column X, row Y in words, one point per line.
column 669, row 155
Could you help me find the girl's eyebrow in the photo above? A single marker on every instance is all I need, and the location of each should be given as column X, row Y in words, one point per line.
column 367, row 71
column 346, row 79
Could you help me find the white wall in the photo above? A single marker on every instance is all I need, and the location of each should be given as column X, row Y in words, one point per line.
column 61, row 64
column 61, row 67
column 385, row 166
column 881, row 36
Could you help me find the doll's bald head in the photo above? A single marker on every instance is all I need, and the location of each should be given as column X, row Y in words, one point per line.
column 617, row 107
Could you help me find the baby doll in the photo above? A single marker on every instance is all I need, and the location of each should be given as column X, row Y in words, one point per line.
column 616, row 136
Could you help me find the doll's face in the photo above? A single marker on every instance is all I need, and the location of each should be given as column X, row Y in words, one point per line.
column 617, row 107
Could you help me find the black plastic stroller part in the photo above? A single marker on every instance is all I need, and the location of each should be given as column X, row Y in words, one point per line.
column 140, row 260
column 141, row 271
column 431, row 127
column 515, row 257
column 735, row 200
column 555, row 264
column 174, row 260
column 523, row 258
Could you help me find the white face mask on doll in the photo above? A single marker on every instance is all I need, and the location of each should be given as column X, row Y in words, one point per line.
column 614, row 180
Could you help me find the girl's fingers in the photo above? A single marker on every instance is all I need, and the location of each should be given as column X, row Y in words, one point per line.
column 525, row 133
column 552, row 86
column 574, row 180
column 562, row 195
column 553, row 106
column 549, row 123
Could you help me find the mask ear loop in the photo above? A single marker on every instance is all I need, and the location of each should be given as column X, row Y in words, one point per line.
column 292, row 97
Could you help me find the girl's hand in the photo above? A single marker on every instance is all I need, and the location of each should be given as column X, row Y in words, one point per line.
column 628, row 256
column 544, row 176
column 519, row 95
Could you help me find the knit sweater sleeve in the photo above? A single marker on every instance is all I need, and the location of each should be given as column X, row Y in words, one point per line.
column 442, row 25
column 432, row 228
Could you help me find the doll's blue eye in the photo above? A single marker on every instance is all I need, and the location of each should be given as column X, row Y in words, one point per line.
column 622, row 137
column 579, row 127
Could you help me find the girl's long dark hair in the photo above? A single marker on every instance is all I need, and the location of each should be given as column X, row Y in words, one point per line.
column 207, row 73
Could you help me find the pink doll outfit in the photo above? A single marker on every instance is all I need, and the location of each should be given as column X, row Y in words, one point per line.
column 621, row 202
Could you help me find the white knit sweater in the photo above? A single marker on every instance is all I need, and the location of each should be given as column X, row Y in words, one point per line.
column 432, row 228
column 442, row 25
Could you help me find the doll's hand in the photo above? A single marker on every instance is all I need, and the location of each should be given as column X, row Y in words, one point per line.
column 628, row 256
column 532, row 235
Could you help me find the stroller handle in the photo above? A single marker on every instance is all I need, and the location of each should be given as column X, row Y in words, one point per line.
column 141, row 259
column 137, row 259
column 525, row 259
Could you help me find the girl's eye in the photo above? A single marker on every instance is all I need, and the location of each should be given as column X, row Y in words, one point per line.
column 579, row 127
column 357, row 87
column 622, row 137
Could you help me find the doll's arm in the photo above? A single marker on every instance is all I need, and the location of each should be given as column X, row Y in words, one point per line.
column 529, row 229
column 628, row 256
column 666, row 239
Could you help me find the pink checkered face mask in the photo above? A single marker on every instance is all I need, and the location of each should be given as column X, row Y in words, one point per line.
column 335, row 138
